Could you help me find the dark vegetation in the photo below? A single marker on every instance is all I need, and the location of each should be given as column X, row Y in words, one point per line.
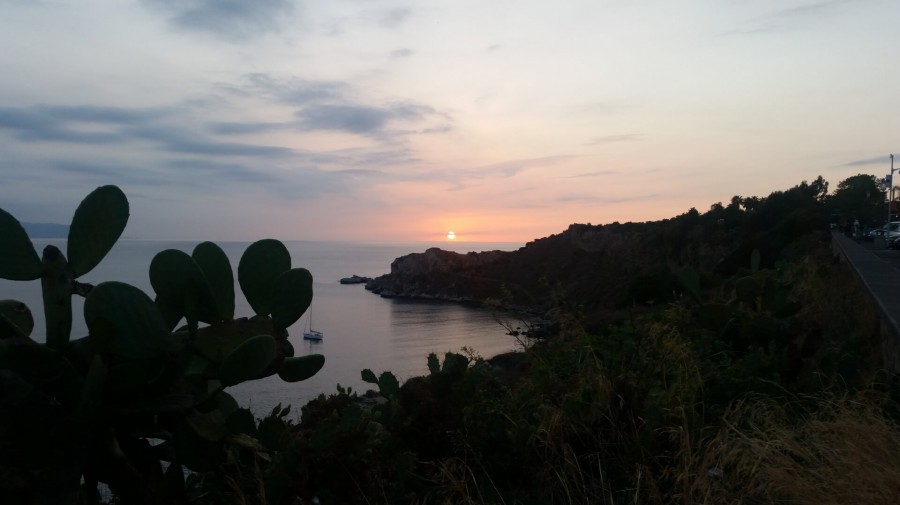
column 715, row 357
column 135, row 392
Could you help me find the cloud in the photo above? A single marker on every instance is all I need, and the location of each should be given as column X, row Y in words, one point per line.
column 784, row 19
column 107, row 115
column 290, row 91
column 231, row 20
column 329, row 106
column 813, row 9
column 513, row 167
column 236, row 128
column 191, row 146
column 394, row 17
column 441, row 128
column 359, row 119
column 165, row 172
column 627, row 137
column 77, row 125
column 868, row 161
column 584, row 197
column 179, row 140
column 32, row 125
column 351, row 118
column 92, row 170
column 401, row 53
column 206, row 170
column 598, row 173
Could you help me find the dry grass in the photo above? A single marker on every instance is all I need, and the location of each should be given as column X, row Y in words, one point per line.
column 837, row 450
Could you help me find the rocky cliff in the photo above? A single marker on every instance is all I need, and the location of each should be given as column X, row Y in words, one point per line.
column 585, row 264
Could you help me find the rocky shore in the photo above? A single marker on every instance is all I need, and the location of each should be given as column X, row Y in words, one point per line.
column 355, row 279
column 583, row 260
column 440, row 275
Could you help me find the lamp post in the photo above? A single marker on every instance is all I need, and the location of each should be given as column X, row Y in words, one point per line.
column 890, row 183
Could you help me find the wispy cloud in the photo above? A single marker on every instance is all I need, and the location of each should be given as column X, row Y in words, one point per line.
column 359, row 119
column 868, row 161
column 394, row 17
column 401, row 53
column 238, row 128
column 186, row 141
column 77, row 125
column 788, row 18
column 331, row 106
column 608, row 139
column 288, row 91
column 513, row 167
column 231, row 20
column 587, row 197
column 598, row 173
column 241, row 173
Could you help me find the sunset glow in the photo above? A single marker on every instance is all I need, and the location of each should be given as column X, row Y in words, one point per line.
column 387, row 121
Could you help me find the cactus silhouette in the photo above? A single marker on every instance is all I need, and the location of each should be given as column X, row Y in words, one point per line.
column 84, row 409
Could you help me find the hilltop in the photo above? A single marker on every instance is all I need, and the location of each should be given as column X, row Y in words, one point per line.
column 598, row 269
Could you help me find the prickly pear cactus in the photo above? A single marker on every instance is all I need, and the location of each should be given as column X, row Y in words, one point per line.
column 18, row 259
column 96, row 226
column 88, row 405
column 17, row 314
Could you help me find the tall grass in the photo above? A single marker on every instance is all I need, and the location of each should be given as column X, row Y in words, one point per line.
column 823, row 449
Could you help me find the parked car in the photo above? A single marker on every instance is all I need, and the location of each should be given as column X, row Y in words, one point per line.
column 873, row 234
column 892, row 231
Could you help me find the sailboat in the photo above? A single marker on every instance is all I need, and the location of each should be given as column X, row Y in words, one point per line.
column 311, row 334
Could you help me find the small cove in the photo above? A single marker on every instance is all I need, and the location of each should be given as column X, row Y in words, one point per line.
column 362, row 330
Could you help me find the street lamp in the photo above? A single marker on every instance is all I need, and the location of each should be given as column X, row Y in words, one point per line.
column 890, row 186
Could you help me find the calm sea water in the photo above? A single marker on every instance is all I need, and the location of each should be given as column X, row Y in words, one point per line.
column 362, row 330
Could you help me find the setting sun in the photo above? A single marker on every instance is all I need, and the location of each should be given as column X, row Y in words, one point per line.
column 451, row 235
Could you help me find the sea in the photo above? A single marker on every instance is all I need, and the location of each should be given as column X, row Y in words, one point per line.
column 362, row 330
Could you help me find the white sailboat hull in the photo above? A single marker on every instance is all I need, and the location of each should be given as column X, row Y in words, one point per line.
column 312, row 335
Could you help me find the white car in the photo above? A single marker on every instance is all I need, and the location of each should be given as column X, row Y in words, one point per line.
column 892, row 230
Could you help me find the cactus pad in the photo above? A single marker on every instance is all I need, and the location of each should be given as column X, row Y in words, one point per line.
column 293, row 292
column 18, row 314
column 260, row 265
column 18, row 259
column 217, row 270
column 98, row 222
column 125, row 321
column 302, row 368
column 181, row 287
column 248, row 360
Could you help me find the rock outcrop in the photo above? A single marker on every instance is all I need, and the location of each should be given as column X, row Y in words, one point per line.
column 440, row 275
column 355, row 279
column 583, row 263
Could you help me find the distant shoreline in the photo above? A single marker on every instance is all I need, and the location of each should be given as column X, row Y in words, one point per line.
column 46, row 230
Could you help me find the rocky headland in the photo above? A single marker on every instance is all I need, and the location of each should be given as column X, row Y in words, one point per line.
column 584, row 262
column 591, row 268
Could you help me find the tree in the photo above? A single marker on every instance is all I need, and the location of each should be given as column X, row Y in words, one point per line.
column 819, row 188
column 858, row 197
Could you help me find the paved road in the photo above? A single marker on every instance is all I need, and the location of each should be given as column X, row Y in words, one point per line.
column 879, row 271
column 890, row 256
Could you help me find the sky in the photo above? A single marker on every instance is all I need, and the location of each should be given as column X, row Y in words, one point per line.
column 388, row 121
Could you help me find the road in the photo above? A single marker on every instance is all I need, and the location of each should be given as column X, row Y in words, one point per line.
column 890, row 256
